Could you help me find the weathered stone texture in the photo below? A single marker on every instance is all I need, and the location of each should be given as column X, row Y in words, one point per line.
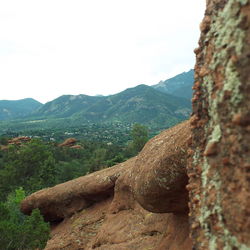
column 102, row 210
column 160, row 177
column 219, row 164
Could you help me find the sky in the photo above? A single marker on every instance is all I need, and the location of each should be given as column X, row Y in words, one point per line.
column 49, row 48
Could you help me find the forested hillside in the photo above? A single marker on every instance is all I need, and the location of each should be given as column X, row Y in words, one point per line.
column 141, row 104
column 17, row 109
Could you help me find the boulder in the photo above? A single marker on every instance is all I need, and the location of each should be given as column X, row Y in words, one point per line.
column 159, row 176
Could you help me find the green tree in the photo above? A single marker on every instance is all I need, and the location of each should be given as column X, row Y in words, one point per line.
column 18, row 231
column 117, row 159
column 139, row 134
column 97, row 160
column 3, row 140
column 48, row 172
column 32, row 166
column 70, row 170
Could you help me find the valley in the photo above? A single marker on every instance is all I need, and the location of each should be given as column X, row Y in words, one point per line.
column 153, row 106
column 43, row 145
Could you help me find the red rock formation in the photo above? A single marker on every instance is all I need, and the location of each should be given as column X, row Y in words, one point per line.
column 220, row 154
column 19, row 140
column 68, row 142
column 159, row 188
column 67, row 198
column 76, row 147
column 99, row 210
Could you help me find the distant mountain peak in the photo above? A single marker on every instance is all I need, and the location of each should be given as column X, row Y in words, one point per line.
column 140, row 86
column 179, row 85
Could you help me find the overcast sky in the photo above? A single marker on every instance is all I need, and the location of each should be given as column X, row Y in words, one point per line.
column 53, row 47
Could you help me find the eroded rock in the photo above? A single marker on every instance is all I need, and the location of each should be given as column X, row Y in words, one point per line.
column 70, row 142
column 101, row 210
column 159, row 177
column 19, row 140
column 65, row 199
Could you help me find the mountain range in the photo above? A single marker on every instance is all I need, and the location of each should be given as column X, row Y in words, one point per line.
column 18, row 109
column 160, row 105
column 180, row 85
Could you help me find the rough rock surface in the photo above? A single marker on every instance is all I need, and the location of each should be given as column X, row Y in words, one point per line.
column 219, row 164
column 159, row 188
column 99, row 211
column 67, row 198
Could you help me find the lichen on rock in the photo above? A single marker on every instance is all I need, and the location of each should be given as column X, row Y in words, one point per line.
column 220, row 147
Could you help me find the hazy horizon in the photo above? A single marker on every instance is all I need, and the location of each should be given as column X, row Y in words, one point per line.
column 64, row 94
column 52, row 48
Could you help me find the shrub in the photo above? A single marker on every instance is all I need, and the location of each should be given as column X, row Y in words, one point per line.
column 18, row 231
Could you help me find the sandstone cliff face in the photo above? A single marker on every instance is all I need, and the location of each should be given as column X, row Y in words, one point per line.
column 102, row 210
column 219, row 165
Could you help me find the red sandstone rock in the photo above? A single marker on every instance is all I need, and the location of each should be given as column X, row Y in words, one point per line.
column 68, row 142
column 99, row 210
column 76, row 147
column 19, row 140
column 67, row 198
column 159, row 177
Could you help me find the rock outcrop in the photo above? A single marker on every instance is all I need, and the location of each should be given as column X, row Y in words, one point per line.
column 159, row 176
column 19, row 140
column 70, row 142
column 220, row 154
column 102, row 210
